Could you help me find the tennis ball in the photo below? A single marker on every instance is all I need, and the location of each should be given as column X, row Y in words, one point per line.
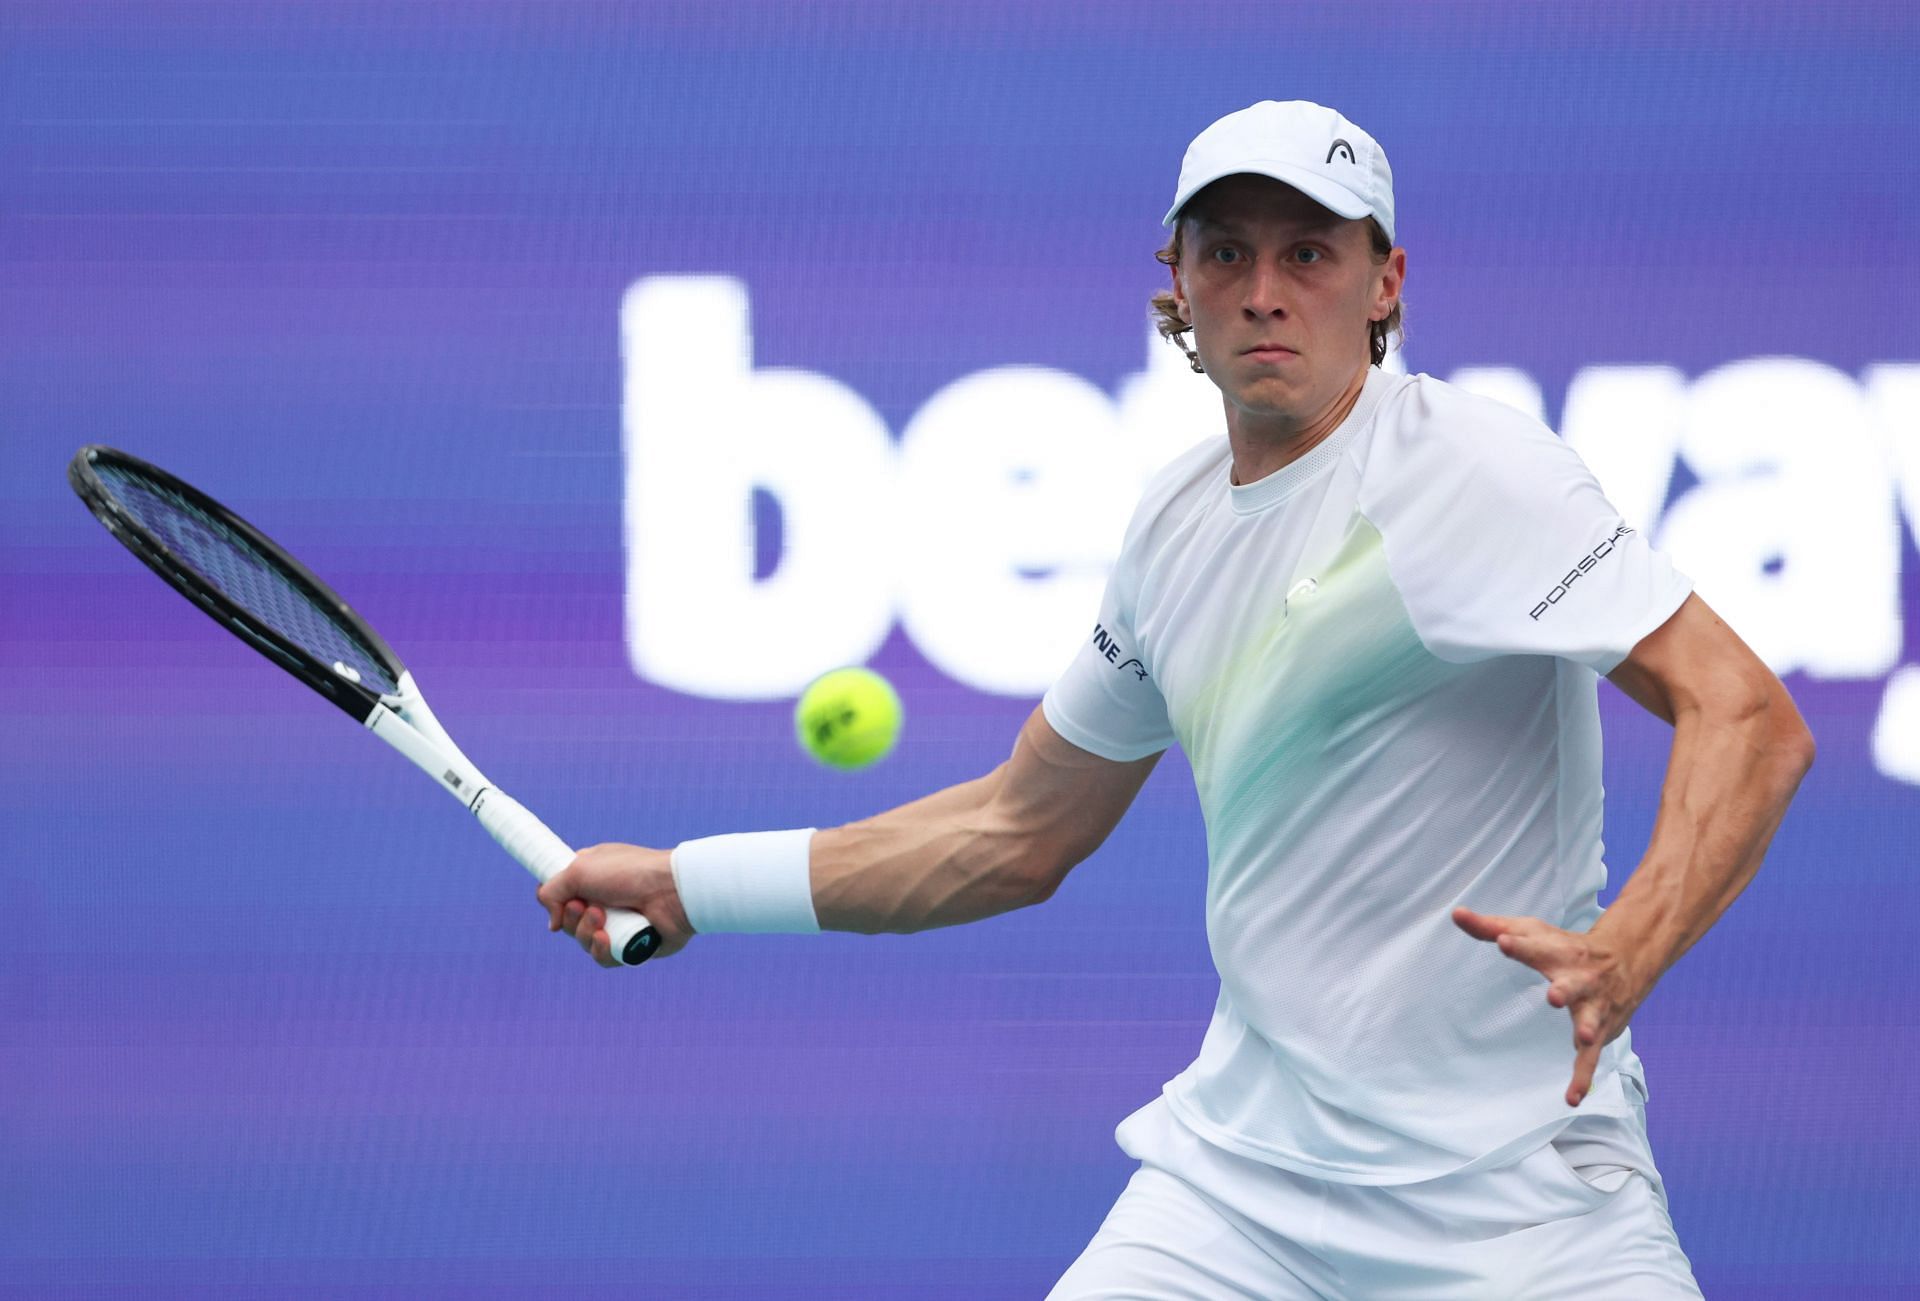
column 848, row 718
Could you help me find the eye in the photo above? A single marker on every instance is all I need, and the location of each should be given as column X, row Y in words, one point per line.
column 1226, row 254
column 1317, row 255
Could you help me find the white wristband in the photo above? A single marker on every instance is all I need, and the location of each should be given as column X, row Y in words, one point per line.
column 752, row 882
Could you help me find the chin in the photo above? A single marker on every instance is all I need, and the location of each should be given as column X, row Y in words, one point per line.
column 1267, row 393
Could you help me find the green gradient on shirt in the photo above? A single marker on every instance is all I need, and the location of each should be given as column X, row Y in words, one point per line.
column 1305, row 684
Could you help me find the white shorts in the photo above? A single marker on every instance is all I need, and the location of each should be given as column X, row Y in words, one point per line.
column 1583, row 1216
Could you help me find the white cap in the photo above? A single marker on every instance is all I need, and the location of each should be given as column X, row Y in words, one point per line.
column 1305, row 145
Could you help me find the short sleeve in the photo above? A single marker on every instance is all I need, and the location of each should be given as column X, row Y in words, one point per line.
column 1502, row 542
column 1106, row 702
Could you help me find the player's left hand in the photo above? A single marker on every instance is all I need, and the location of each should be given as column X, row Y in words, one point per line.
column 1586, row 974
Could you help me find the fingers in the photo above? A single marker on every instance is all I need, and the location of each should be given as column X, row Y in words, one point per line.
column 1537, row 951
column 554, row 893
column 560, row 895
column 1583, row 1067
column 588, row 925
column 589, row 928
column 1578, row 980
column 1483, row 926
column 1586, row 1028
column 589, row 919
column 553, row 896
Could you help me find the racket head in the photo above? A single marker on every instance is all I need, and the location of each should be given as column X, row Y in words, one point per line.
column 238, row 575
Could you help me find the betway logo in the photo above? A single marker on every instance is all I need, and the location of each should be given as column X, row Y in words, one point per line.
column 987, row 529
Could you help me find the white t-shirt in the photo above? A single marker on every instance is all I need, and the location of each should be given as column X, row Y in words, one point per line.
column 1381, row 661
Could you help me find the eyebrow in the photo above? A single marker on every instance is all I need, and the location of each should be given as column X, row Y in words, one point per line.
column 1309, row 225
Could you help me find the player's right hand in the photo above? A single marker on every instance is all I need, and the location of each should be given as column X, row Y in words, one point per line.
column 616, row 876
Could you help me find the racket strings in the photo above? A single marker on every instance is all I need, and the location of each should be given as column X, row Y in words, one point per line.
column 250, row 578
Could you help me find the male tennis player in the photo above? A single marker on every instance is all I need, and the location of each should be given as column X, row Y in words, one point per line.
column 1374, row 615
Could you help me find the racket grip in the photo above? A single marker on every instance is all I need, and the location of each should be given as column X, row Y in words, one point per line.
column 632, row 937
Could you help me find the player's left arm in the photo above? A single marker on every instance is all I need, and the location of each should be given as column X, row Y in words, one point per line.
column 1740, row 749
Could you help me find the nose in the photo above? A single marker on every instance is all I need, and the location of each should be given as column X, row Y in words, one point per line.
column 1266, row 292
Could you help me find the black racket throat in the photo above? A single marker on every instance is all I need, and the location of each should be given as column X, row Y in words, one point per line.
column 239, row 576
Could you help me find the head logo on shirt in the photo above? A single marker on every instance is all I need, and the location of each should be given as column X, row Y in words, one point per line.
column 1109, row 648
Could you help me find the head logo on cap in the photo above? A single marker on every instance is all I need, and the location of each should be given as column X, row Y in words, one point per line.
column 1340, row 147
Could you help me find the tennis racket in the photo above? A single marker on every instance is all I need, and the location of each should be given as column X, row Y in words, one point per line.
column 254, row 589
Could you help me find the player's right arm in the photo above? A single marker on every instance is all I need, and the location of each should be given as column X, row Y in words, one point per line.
column 983, row 847
column 986, row 846
column 999, row 842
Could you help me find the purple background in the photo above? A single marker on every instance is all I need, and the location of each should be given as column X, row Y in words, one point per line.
column 274, row 1020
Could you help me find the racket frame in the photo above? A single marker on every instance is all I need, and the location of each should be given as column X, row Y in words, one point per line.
column 356, row 698
column 401, row 718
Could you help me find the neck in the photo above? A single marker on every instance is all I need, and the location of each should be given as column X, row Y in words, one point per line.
column 1267, row 441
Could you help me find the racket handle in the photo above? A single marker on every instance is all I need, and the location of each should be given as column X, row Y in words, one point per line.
column 544, row 854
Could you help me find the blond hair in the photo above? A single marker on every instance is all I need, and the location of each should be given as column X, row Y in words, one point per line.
column 1167, row 315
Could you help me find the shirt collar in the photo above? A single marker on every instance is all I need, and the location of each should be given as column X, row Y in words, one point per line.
column 1276, row 487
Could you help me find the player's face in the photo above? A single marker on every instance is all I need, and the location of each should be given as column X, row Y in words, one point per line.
column 1279, row 292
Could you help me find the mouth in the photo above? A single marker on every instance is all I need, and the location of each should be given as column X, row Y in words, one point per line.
column 1268, row 352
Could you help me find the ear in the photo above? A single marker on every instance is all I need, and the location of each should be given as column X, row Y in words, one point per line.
column 1180, row 296
column 1393, row 276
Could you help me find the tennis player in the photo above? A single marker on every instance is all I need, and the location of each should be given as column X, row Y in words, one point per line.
column 1374, row 615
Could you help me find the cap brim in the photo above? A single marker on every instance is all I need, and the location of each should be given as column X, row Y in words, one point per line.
column 1329, row 194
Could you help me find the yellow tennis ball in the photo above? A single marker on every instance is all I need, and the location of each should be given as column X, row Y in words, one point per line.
column 848, row 718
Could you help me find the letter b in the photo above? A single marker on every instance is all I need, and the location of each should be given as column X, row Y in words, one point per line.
column 703, row 429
